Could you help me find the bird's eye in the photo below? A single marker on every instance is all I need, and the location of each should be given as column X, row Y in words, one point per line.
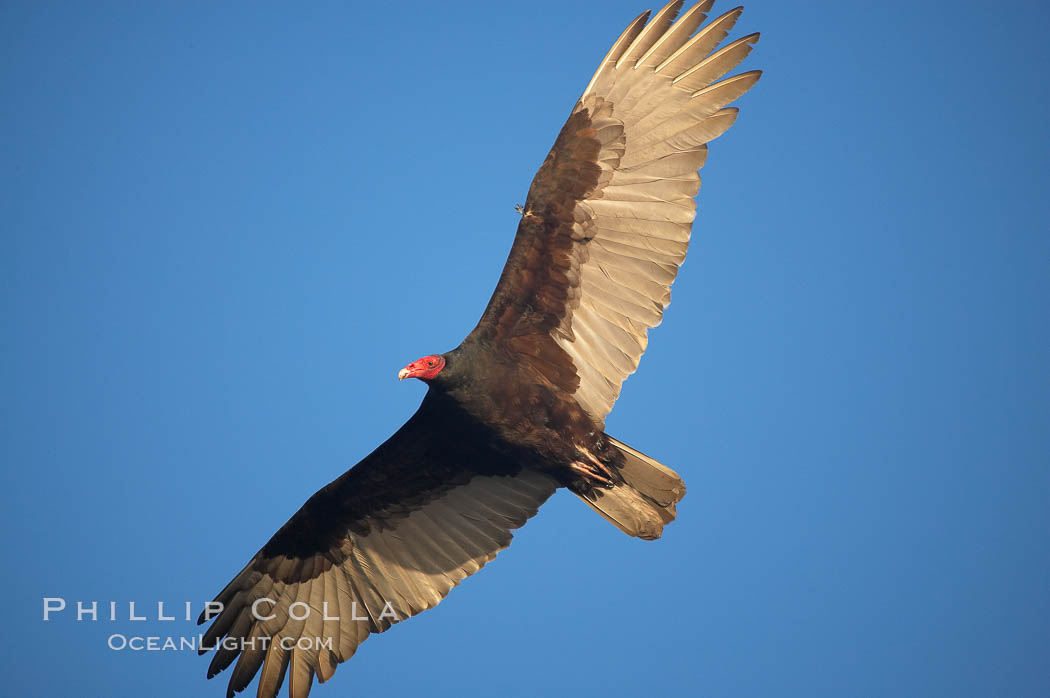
column 430, row 363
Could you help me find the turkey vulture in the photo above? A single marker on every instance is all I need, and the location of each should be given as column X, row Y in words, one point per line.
column 518, row 409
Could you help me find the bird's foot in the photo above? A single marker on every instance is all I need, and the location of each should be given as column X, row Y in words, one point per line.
column 597, row 463
column 590, row 473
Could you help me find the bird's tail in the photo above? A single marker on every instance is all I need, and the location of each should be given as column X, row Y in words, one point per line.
column 644, row 501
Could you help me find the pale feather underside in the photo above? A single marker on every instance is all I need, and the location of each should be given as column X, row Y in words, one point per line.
column 410, row 561
column 661, row 81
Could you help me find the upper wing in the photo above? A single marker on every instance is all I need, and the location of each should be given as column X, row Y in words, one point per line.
column 607, row 220
column 386, row 540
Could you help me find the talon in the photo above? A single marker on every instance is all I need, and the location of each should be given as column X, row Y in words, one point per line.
column 601, row 466
column 589, row 473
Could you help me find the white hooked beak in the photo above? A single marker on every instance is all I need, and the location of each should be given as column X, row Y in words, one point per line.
column 402, row 374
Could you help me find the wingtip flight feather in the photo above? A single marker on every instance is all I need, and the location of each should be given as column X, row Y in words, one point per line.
column 628, row 35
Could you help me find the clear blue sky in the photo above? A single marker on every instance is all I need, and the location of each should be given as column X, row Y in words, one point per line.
column 227, row 225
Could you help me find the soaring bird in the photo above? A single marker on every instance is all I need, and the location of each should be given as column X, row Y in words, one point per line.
column 518, row 409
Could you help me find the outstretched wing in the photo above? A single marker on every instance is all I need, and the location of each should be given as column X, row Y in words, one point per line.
column 383, row 542
column 607, row 220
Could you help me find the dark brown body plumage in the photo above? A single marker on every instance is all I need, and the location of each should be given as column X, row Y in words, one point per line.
column 520, row 408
